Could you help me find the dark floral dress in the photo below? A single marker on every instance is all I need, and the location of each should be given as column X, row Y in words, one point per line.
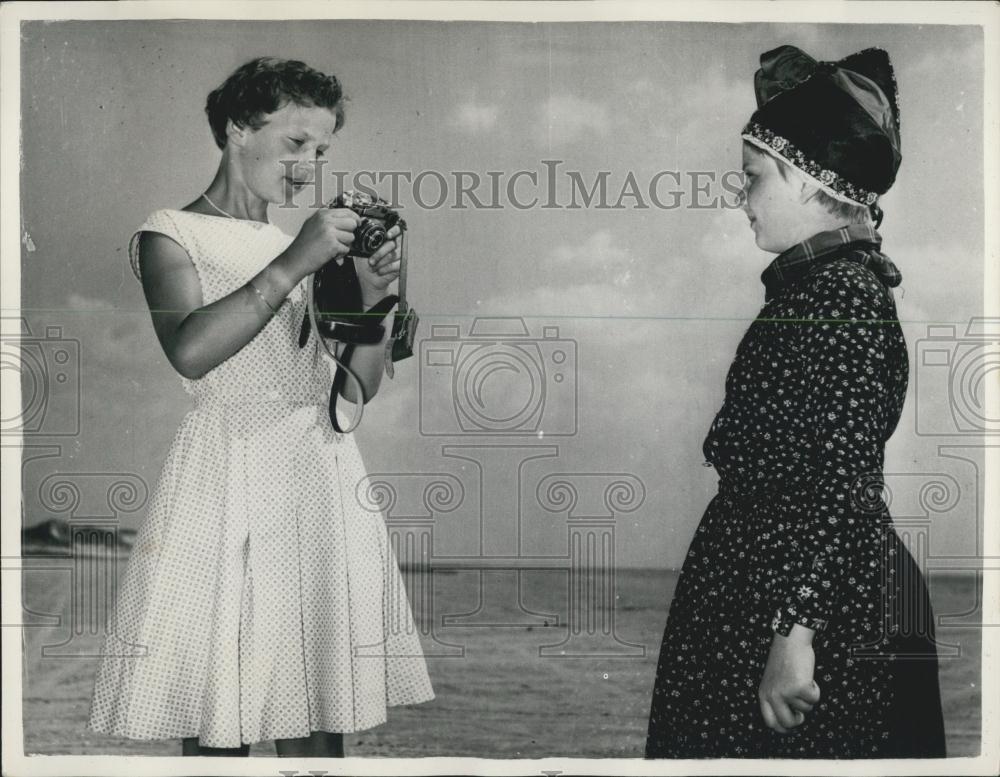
column 799, row 532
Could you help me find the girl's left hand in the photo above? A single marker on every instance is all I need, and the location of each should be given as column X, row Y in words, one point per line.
column 379, row 270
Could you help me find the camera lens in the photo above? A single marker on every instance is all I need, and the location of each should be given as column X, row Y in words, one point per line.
column 375, row 240
column 371, row 236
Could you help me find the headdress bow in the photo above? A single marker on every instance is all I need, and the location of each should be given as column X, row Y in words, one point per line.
column 865, row 76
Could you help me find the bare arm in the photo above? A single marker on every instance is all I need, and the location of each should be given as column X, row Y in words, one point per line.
column 196, row 337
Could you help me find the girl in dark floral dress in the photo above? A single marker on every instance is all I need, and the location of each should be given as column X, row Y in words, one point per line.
column 793, row 629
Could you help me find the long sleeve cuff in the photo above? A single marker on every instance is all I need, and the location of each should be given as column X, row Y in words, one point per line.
column 808, row 599
column 787, row 616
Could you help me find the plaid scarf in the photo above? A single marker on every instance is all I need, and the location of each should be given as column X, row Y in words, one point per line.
column 856, row 242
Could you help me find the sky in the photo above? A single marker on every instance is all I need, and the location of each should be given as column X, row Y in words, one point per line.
column 629, row 316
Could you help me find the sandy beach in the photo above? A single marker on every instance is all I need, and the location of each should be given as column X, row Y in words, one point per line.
column 512, row 678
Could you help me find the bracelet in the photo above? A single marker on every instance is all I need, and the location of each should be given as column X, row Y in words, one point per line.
column 263, row 299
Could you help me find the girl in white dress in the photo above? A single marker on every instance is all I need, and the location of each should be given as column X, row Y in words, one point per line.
column 261, row 601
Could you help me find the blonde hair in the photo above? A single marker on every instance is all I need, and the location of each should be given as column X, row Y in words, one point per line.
column 850, row 212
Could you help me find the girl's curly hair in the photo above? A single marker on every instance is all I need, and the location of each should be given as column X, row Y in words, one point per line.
column 264, row 85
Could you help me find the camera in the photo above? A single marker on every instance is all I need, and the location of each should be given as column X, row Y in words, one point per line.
column 377, row 218
column 500, row 378
column 336, row 289
column 335, row 308
column 950, row 379
column 49, row 371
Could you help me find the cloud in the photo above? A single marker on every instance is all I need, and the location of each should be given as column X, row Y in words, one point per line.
column 566, row 118
column 76, row 301
column 599, row 254
column 475, row 117
column 107, row 335
column 641, row 86
column 595, row 277
column 714, row 273
column 963, row 62
column 716, row 104
column 923, row 298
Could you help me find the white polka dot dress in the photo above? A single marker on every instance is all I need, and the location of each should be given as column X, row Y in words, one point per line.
column 262, row 599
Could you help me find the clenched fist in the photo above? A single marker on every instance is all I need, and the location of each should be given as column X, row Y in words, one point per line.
column 787, row 691
column 325, row 235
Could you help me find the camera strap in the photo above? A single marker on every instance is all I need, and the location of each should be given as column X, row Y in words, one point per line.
column 398, row 346
column 404, row 324
column 377, row 311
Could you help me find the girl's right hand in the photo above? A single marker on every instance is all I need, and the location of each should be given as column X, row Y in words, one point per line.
column 787, row 690
column 326, row 235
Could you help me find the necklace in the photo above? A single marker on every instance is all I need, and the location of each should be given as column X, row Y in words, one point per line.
column 209, row 201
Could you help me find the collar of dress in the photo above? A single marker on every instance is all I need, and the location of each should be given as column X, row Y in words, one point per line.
column 858, row 243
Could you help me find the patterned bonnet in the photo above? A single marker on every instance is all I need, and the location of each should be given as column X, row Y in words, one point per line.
column 836, row 122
